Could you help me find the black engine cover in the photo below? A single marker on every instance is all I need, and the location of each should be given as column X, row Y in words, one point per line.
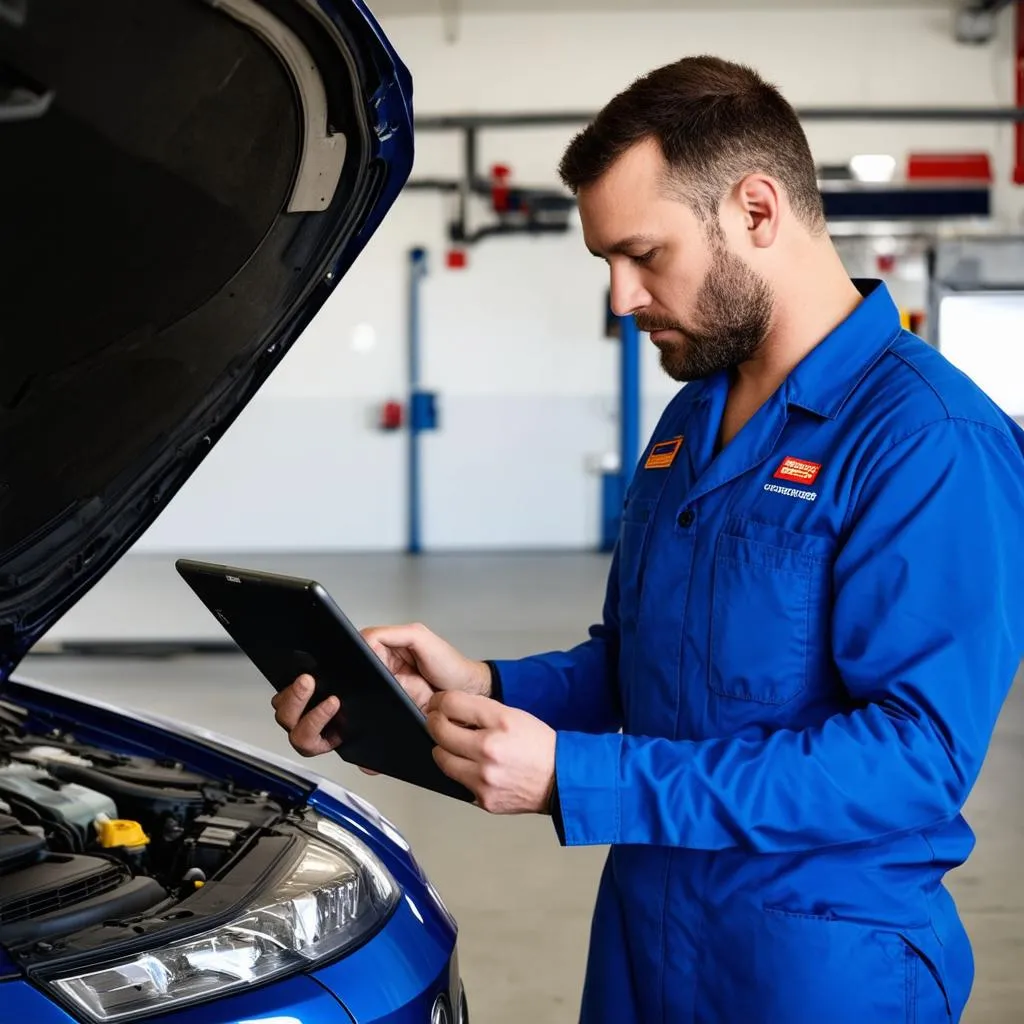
column 64, row 893
column 17, row 847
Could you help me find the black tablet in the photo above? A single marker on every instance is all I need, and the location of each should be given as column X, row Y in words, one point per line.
column 289, row 626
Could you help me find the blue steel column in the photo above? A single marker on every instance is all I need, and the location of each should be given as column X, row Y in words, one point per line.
column 629, row 401
column 417, row 272
column 614, row 485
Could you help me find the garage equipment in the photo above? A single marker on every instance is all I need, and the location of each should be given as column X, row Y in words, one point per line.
column 976, row 313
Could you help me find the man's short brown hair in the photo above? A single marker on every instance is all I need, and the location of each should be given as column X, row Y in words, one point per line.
column 716, row 122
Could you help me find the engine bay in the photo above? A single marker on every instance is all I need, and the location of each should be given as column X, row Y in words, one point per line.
column 92, row 839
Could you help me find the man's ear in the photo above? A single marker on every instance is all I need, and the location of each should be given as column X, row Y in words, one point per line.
column 759, row 200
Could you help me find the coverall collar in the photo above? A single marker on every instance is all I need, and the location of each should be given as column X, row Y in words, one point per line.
column 820, row 384
column 830, row 373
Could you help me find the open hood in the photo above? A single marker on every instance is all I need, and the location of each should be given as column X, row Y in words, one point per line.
column 182, row 185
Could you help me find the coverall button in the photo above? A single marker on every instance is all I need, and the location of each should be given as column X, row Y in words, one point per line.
column 686, row 518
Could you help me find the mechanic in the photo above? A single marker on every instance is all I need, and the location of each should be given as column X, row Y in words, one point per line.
column 814, row 612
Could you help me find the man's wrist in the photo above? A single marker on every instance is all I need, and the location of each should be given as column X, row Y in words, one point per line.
column 483, row 682
column 494, row 687
column 555, row 810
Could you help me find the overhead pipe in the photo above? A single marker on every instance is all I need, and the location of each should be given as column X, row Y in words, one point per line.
column 466, row 122
column 530, row 227
column 469, row 176
column 536, row 211
column 470, row 125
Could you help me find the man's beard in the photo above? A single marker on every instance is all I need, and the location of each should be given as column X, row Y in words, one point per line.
column 734, row 312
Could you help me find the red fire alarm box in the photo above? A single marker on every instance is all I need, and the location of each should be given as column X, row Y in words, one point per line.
column 392, row 416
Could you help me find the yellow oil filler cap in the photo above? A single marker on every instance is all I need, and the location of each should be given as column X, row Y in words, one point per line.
column 116, row 834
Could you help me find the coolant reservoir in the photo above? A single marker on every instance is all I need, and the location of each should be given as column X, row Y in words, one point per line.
column 120, row 834
column 75, row 804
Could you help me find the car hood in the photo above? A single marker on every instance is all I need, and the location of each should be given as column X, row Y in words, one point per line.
column 183, row 185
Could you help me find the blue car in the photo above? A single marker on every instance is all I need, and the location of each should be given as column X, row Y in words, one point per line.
column 183, row 183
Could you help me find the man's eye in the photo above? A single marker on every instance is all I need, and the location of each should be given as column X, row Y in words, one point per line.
column 646, row 257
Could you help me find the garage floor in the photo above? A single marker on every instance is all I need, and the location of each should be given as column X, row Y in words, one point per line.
column 523, row 902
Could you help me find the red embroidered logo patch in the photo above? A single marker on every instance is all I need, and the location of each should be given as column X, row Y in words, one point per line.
column 663, row 454
column 798, row 471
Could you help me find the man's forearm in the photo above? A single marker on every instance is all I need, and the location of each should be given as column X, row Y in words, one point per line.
column 856, row 777
column 575, row 689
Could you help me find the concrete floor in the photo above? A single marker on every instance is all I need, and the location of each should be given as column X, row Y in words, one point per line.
column 523, row 903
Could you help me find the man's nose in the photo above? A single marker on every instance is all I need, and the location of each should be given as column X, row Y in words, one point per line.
column 628, row 294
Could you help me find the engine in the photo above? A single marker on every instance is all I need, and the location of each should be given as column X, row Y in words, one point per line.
column 90, row 836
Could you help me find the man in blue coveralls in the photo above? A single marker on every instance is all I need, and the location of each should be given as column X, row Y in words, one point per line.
column 814, row 613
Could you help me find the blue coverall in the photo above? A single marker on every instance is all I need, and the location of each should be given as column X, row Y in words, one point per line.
column 806, row 640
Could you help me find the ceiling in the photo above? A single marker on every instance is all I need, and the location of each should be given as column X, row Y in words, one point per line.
column 385, row 8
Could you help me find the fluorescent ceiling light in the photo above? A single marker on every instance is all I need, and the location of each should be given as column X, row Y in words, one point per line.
column 873, row 167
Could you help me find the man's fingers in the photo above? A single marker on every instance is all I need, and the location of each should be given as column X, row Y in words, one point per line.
column 456, row 739
column 467, row 709
column 306, row 735
column 291, row 702
column 385, row 654
column 418, row 689
column 394, row 658
column 395, row 637
column 321, row 745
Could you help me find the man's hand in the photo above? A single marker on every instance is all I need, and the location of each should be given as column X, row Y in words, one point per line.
column 421, row 661
column 505, row 756
column 425, row 664
column 309, row 732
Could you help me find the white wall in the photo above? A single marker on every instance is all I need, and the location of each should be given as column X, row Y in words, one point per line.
column 514, row 343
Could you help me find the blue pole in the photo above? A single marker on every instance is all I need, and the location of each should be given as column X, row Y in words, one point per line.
column 629, row 400
column 614, row 485
column 417, row 272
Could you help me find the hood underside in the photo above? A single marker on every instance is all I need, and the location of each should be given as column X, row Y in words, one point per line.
column 183, row 183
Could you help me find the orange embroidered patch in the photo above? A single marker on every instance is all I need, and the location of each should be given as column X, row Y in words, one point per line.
column 663, row 454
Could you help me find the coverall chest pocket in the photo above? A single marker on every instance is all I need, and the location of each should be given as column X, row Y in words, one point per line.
column 769, row 611
column 633, row 533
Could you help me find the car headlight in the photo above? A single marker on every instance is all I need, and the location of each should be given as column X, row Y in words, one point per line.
column 333, row 896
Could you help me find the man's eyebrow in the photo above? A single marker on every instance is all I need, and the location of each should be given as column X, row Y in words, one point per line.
column 624, row 246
